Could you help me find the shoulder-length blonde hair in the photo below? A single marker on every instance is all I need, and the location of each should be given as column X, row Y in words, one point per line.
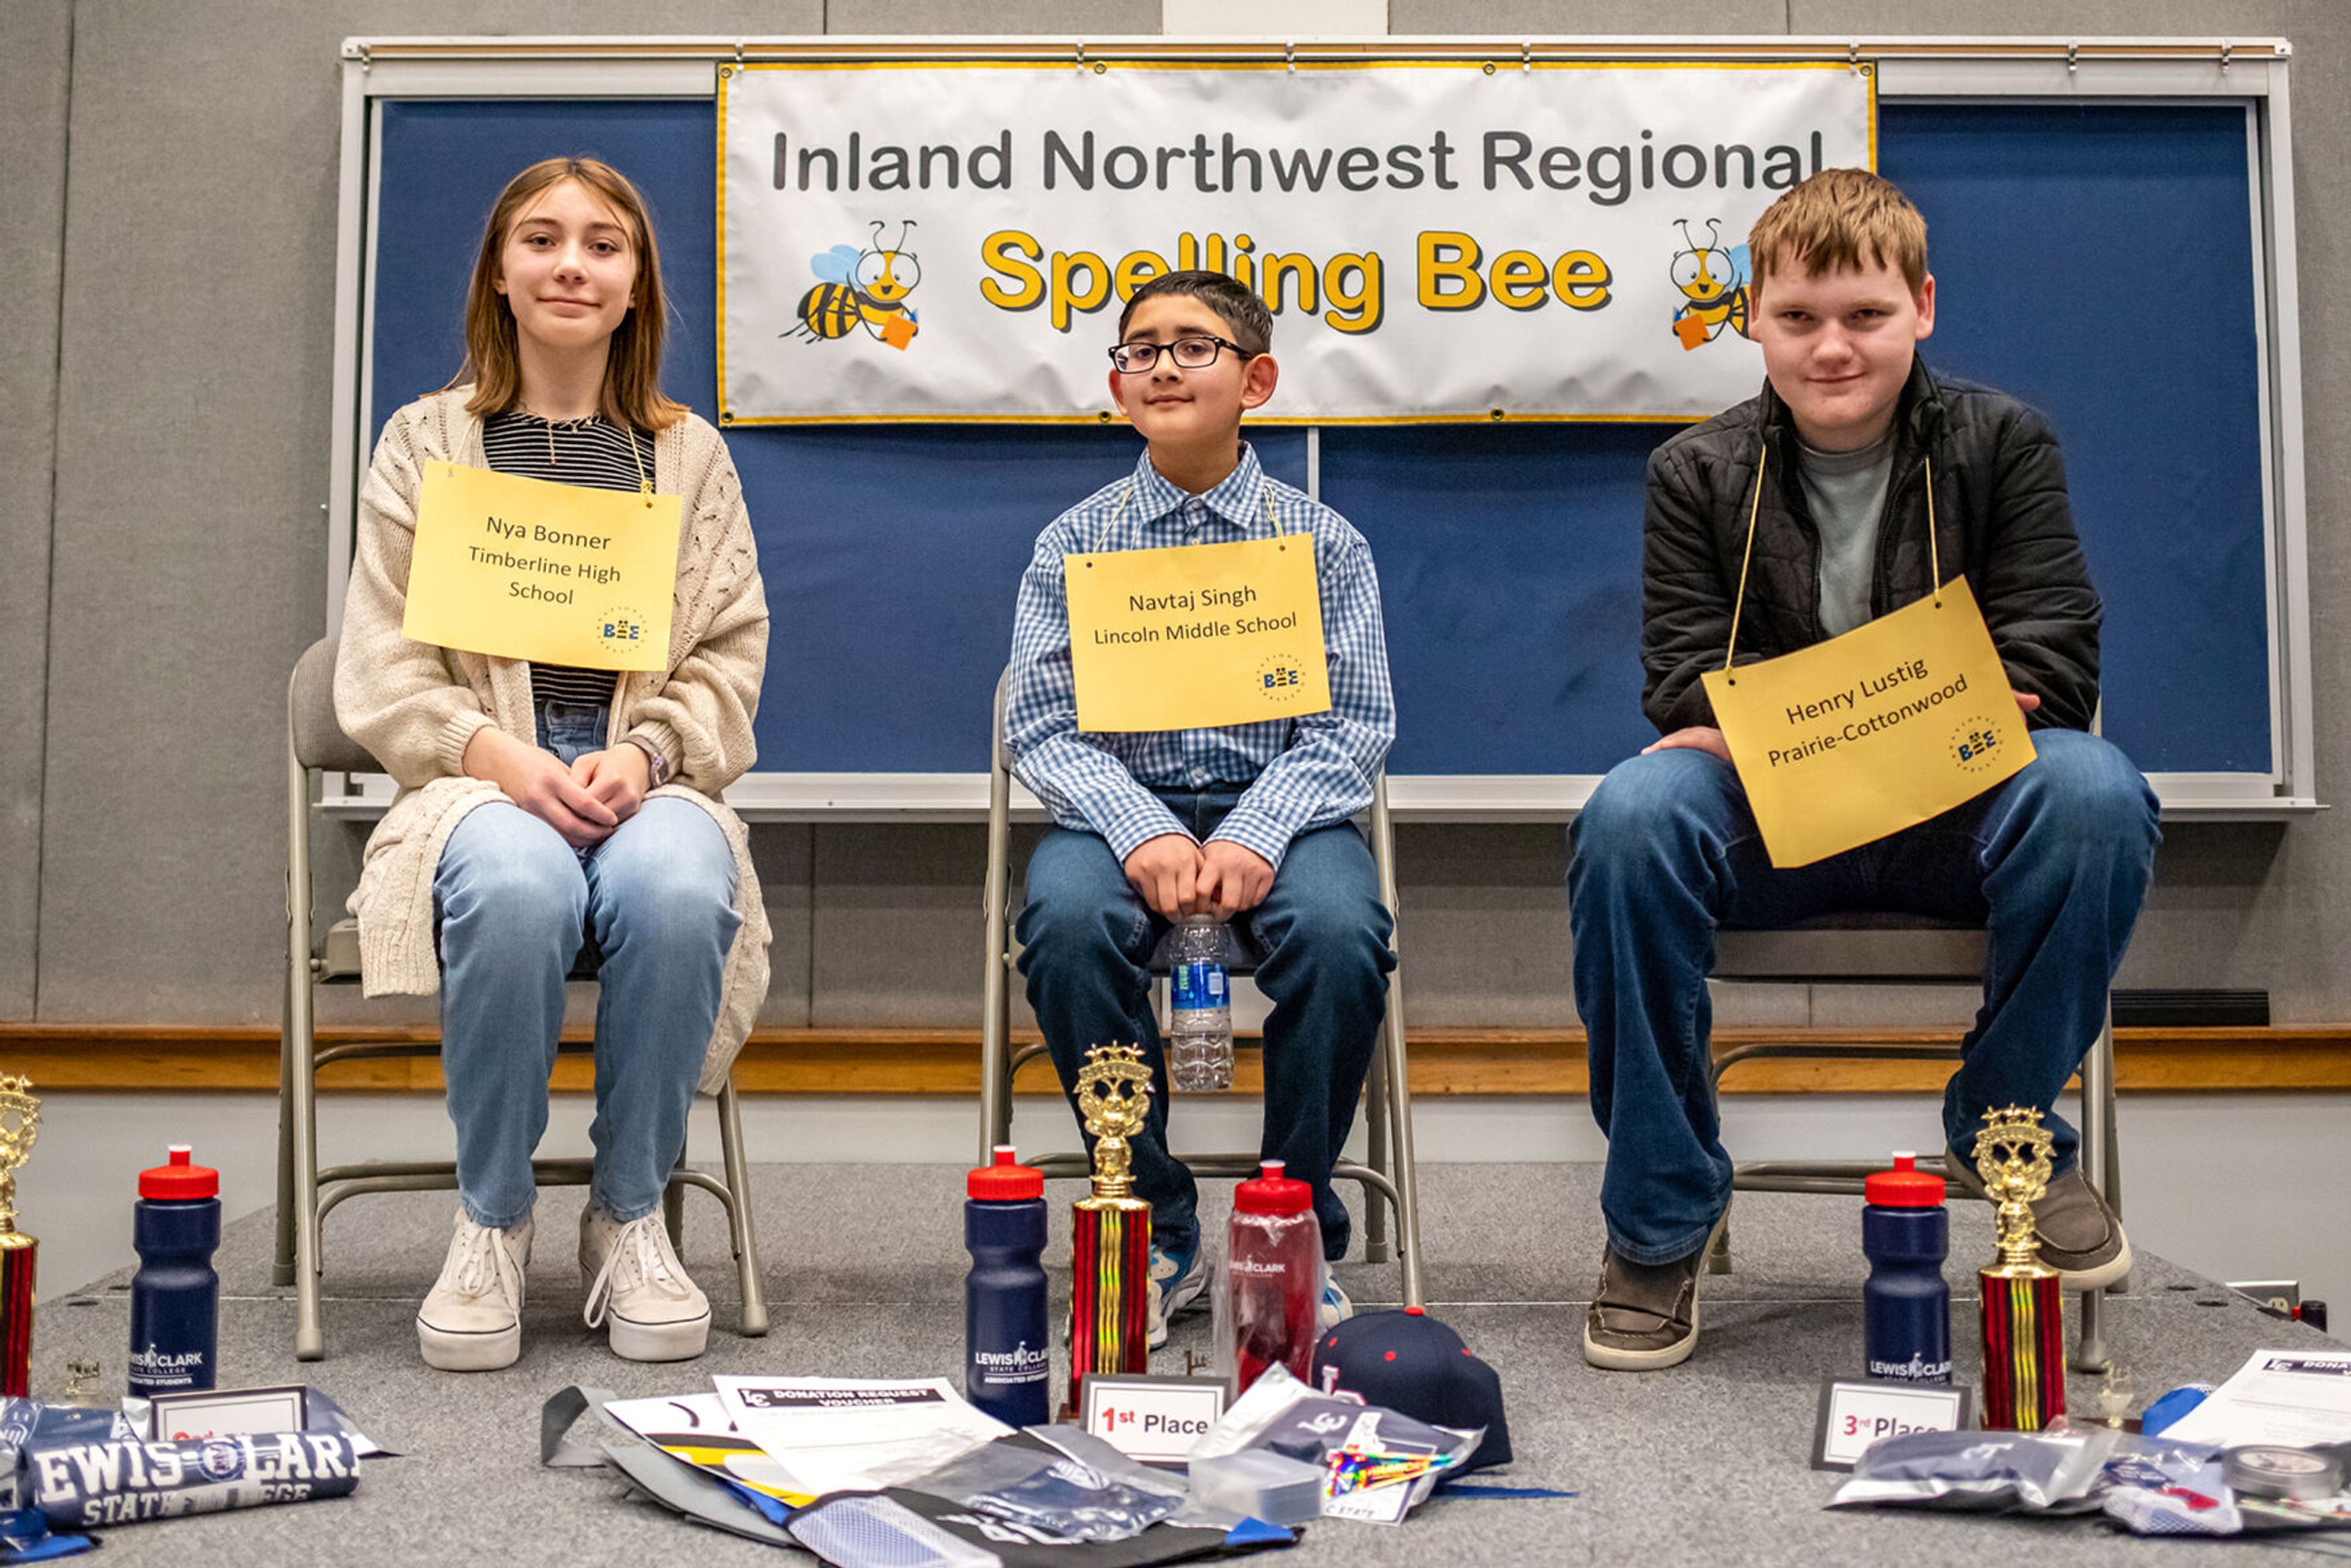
column 633, row 395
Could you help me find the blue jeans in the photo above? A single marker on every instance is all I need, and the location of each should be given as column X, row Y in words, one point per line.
column 2055, row 861
column 513, row 902
column 1086, row 942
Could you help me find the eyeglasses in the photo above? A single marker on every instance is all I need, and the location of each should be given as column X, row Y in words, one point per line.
column 1189, row 353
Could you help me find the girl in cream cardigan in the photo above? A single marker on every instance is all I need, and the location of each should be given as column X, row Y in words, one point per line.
column 541, row 807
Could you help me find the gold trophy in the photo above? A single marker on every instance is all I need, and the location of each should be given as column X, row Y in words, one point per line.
column 20, row 1122
column 2024, row 1309
column 1110, row 1229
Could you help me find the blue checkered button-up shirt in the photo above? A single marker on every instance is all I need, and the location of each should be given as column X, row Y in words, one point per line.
column 1299, row 773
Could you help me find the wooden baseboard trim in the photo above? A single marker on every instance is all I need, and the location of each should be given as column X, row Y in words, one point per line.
column 151, row 1058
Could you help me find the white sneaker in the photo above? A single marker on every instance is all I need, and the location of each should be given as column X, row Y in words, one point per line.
column 1176, row 1280
column 635, row 1280
column 472, row 1318
column 1335, row 1307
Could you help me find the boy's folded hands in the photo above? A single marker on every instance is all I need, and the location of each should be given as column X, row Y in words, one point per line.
column 1177, row 877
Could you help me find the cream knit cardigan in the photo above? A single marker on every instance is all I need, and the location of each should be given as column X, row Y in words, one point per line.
column 415, row 706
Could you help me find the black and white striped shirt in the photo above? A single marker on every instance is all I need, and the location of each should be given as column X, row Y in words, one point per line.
column 593, row 451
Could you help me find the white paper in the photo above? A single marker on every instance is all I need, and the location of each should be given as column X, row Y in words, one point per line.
column 839, row 1434
column 2292, row 1397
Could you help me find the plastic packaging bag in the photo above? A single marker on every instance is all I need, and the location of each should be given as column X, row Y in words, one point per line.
column 2001, row 1472
column 1364, row 1450
column 1047, row 1488
column 2157, row 1488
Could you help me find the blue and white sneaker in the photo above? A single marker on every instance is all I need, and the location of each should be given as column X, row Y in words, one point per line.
column 1176, row 1280
column 1336, row 1308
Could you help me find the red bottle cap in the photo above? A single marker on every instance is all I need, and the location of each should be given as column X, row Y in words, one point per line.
column 1006, row 1181
column 178, row 1182
column 1272, row 1193
column 1904, row 1187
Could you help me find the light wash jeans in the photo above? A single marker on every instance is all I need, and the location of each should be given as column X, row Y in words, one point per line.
column 513, row 903
column 2055, row 861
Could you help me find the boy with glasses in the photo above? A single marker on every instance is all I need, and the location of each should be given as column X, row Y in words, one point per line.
column 1246, row 823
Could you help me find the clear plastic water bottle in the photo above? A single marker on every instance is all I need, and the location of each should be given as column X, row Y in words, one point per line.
column 1270, row 1286
column 1199, row 1007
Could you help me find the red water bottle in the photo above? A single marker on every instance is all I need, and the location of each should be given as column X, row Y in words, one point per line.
column 1271, row 1286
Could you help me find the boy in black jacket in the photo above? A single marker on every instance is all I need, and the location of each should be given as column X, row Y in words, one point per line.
column 1850, row 429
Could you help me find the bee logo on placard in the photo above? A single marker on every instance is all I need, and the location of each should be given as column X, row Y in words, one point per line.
column 1280, row 675
column 1976, row 744
column 862, row 289
column 1713, row 284
column 621, row 628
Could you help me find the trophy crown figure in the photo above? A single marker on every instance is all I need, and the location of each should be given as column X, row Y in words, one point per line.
column 20, row 1123
column 1114, row 1099
column 2013, row 1157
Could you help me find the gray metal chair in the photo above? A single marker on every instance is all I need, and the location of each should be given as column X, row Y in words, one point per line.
column 1387, row 1176
column 307, row 1193
column 1882, row 949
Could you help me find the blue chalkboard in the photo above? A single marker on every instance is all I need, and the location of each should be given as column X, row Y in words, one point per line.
column 2096, row 260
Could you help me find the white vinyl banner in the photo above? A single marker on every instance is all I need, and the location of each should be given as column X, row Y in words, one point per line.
column 1437, row 241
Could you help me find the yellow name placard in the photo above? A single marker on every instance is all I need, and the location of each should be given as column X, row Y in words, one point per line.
column 1195, row 636
column 521, row 568
column 1845, row 742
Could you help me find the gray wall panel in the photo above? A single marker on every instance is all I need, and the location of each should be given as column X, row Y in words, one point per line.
column 1055, row 18
column 897, row 935
column 193, row 460
column 35, row 65
column 1586, row 19
column 190, row 462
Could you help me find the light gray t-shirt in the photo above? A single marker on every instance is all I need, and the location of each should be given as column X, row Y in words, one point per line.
column 1846, row 491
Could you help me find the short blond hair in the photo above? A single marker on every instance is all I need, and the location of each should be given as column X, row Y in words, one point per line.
column 1840, row 220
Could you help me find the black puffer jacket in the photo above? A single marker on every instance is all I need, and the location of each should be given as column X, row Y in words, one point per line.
column 2000, row 517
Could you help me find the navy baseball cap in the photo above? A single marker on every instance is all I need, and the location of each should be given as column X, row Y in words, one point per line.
column 1409, row 1362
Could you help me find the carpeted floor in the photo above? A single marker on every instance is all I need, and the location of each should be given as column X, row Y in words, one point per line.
column 1704, row 1463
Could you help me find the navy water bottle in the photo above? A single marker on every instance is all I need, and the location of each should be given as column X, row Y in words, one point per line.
column 175, row 1295
column 1906, row 1306
column 1007, row 1364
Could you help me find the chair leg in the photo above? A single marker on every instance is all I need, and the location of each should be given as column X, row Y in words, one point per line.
column 995, row 980
column 673, row 1196
column 1399, row 1141
column 2090, row 1347
column 739, row 1213
column 281, row 1263
column 309, row 1333
column 1381, row 1158
column 2109, row 1121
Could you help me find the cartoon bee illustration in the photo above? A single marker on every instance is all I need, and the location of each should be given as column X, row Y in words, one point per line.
column 866, row 288
column 1713, row 281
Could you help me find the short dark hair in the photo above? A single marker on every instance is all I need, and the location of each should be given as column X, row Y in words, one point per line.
column 1243, row 311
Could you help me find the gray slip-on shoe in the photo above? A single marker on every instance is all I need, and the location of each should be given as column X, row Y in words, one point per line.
column 1644, row 1316
column 2080, row 1237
